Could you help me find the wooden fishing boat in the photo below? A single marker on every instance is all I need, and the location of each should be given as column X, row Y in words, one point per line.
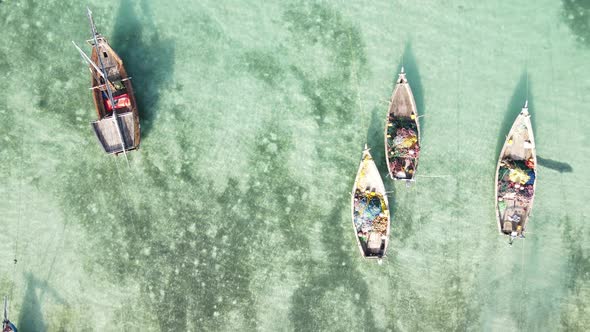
column 117, row 127
column 370, row 209
column 7, row 325
column 516, row 177
column 402, row 132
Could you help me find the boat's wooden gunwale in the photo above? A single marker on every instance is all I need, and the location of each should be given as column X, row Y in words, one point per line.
column 402, row 85
column 97, row 94
column 522, row 118
column 377, row 183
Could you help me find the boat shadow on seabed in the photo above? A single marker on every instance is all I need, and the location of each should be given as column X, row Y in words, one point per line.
column 149, row 58
column 556, row 165
column 514, row 107
column 31, row 315
column 519, row 95
column 376, row 143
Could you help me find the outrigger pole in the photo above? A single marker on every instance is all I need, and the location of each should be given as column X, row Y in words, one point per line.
column 105, row 76
column 89, row 62
column 96, row 69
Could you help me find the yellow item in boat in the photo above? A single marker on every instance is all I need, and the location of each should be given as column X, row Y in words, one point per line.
column 409, row 141
column 413, row 116
column 518, row 176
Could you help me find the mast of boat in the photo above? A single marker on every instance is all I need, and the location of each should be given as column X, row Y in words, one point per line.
column 105, row 75
column 5, row 310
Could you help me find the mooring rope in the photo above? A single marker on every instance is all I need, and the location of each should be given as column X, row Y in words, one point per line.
column 19, row 205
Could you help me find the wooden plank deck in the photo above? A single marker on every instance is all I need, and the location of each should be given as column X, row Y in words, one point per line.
column 401, row 103
column 109, row 61
column 106, row 132
column 521, row 148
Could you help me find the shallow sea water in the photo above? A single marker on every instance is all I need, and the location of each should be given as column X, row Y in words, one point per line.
column 234, row 214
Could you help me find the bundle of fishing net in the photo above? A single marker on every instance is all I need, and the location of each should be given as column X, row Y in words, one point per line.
column 403, row 153
column 380, row 224
column 516, row 176
column 373, row 209
column 394, row 126
column 405, row 142
column 505, row 187
column 526, row 192
column 366, row 210
column 360, row 203
column 518, row 171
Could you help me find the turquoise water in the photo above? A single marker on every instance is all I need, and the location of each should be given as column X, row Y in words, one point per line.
column 234, row 214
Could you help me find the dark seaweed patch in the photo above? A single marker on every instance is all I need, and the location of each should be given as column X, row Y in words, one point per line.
column 335, row 93
column 578, row 277
column 576, row 14
column 375, row 139
column 336, row 272
column 265, row 66
column 193, row 262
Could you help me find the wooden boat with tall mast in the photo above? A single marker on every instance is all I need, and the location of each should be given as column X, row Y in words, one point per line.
column 402, row 132
column 117, row 127
column 516, row 175
column 370, row 209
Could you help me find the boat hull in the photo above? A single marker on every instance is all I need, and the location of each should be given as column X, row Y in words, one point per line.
column 402, row 133
column 370, row 210
column 123, row 89
column 516, row 178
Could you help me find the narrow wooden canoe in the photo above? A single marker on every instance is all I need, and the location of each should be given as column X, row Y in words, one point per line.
column 370, row 209
column 402, row 132
column 516, row 175
column 126, row 106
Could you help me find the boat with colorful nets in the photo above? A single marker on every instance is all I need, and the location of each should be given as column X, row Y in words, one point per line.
column 516, row 176
column 402, row 132
column 370, row 209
